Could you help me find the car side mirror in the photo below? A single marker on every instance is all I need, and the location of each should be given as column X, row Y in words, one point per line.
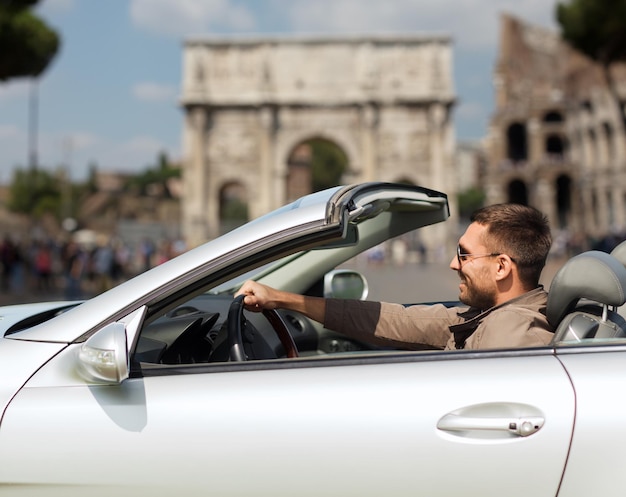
column 345, row 284
column 104, row 358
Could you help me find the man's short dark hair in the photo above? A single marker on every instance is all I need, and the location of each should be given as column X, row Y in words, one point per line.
column 521, row 232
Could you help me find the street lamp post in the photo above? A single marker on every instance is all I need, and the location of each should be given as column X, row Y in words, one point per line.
column 33, row 117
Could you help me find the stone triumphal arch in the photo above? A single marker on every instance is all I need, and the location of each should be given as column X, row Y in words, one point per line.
column 253, row 105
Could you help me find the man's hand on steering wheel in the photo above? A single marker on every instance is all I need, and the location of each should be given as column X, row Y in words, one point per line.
column 258, row 297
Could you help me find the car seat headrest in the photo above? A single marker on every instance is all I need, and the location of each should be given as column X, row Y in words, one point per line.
column 592, row 275
column 619, row 252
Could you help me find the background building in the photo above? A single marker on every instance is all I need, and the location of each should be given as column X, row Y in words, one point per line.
column 257, row 110
column 556, row 139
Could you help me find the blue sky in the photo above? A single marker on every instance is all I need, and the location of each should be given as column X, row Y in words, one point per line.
column 110, row 97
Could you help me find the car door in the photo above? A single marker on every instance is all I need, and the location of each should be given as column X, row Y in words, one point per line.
column 598, row 373
column 424, row 423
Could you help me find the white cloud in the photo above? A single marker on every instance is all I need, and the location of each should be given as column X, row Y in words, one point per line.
column 154, row 92
column 10, row 132
column 142, row 144
column 133, row 155
column 78, row 140
column 78, row 150
column 471, row 111
column 53, row 149
column 473, row 24
column 185, row 17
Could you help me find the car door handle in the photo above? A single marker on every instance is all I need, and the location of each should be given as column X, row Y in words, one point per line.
column 522, row 426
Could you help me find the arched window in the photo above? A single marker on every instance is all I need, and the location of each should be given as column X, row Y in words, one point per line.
column 233, row 206
column 563, row 199
column 314, row 165
column 517, row 146
column 610, row 141
column 404, row 181
column 517, row 192
column 554, row 145
column 553, row 117
column 592, row 156
column 587, row 105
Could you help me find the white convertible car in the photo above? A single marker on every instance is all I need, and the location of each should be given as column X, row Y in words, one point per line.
column 163, row 386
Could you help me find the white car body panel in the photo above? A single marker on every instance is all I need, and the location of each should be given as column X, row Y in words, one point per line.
column 316, row 429
column 598, row 376
column 18, row 362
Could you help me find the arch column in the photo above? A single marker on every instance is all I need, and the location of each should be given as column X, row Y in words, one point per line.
column 535, row 145
column 602, row 214
column 438, row 118
column 619, row 207
column 195, row 223
column 441, row 155
column 575, row 219
column 212, row 188
column 369, row 123
column 544, row 194
column 269, row 191
column 588, row 213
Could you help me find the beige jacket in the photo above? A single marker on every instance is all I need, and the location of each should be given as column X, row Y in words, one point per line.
column 520, row 322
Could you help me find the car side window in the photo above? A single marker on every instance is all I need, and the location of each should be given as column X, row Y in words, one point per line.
column 197, row 331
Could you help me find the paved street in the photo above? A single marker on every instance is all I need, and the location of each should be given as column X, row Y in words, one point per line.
column 410, row 282
column 414, row 282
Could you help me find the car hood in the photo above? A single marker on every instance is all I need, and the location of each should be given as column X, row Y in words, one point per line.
column 14, row 318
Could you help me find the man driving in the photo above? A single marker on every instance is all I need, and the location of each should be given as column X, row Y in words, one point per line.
column 499, row 260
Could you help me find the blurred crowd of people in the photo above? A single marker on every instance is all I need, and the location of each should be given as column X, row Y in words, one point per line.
column 74, row 271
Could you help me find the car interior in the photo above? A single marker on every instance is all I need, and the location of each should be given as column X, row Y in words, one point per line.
column 584, row 299
column 212, row 327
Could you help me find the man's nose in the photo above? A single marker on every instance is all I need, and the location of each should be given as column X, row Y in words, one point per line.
column 454, row 264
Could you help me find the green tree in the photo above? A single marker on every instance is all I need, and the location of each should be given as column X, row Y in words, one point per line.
column 596, row 28
column 27, row 44
column 470, row 200
column 328, row 163
column 35, row 192
column 158, row 175
column 91, row 186
column 233, row 213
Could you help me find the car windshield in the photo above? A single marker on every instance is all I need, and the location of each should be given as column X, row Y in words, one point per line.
column 230, row 287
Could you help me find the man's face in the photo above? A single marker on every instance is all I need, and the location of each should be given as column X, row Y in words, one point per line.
column 475, row 267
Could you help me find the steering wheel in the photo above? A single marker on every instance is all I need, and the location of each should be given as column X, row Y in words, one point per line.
column 236, row 320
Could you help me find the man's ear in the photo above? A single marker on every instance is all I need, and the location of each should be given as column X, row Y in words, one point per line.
column 505, row 267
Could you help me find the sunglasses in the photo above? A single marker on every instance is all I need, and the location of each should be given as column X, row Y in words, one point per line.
column 462, row 257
